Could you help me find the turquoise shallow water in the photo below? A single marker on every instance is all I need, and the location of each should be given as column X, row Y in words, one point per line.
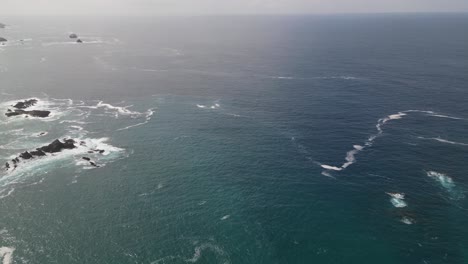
column 238, row 140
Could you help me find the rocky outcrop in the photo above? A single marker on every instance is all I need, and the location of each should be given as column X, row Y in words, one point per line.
column 92, row 163
column 25, row 104
column 73, row 36
column 54, row 147
column 35, row 113
column 3, row 39
column 20, row 106
column 79, row 41
column 58, row 146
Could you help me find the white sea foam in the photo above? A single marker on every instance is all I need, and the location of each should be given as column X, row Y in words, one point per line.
column 328, row 167
column 283, row 77
column 90, row 144
column 225, row 217
column 351, row 155
column 407, row 220
column 399, row 203
column 441, row 140
column 397, row 199
column 214, row 248
column 148, row 116
column 443, row 179
column 6, row 253
column 446, row 116
column 213, row 106
column 327, row 174
column 123, row 110
column 4, row 193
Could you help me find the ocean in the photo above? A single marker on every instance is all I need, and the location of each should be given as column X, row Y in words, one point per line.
column 236, row 139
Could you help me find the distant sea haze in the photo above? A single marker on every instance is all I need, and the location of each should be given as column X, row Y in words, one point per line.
column 240, row 139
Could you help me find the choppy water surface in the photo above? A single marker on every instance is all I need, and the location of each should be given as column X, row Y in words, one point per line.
column 333, row 139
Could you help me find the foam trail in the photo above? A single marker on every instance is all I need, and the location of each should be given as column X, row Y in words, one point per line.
column 149, row 114
column 6, row 253
column 7, row 194
column 351, row 155
column 326, row 174
column 445, row 116
column 445, row 141
column 120, row 110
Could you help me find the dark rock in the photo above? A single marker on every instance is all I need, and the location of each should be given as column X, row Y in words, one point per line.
column 3, row 39
column 55, row 146
column 38, row 152
column 73, row 36
column 9, row 110
column 35, row 113
column 26, row 155
column 25, row 104
column 86, row 158
column 93, row 164
column 79, row 41
column 58, row 146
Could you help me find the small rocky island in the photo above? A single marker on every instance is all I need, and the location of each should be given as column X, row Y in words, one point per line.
column 20, row 106
column 3, row 39
column 79, row 41
column 54, row 147
column 73, row 36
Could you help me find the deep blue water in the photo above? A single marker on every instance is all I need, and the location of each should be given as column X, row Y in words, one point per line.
column 273, row 139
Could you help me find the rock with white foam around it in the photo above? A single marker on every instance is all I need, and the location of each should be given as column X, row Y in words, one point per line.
column 54, row 147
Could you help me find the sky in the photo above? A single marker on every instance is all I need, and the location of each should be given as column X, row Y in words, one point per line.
column 215, row 7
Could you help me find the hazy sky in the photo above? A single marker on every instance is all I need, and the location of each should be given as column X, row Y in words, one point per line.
column 67, row 7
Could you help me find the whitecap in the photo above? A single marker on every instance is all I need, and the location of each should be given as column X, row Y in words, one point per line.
column 406, row 220
column 6, row 253
column 328, row 167
column 225, row 217
column 397, row 199
column 443, row 179
column 399, row 203
column 213, row 106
